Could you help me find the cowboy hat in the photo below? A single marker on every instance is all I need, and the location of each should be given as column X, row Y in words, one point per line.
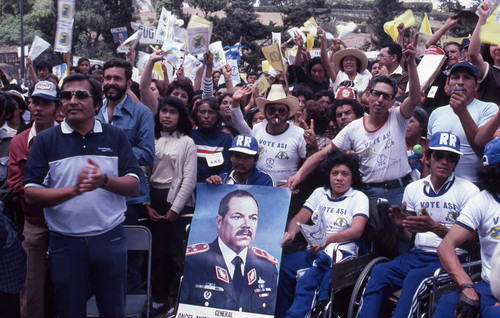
column 277, row 95
column 360, row 55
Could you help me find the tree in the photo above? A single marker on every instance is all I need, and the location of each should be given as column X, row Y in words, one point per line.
column 172, row 5
column 208, row 6
column 383, row 11
column 241, row 22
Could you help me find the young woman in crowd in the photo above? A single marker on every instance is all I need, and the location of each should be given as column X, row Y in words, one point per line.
column 172, row 183
column 345, row 213
column 212, row 145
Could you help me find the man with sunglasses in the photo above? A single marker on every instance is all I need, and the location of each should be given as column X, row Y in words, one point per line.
column 281, row 145
column 463, row 116
column 378, row 139
column 44, row 103
column 430, row 207
column 80, row 172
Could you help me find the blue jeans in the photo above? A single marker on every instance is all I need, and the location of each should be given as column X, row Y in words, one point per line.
column 447, row 303
column 406, row 272
column 81, row 264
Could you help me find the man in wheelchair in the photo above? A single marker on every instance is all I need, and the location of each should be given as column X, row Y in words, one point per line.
column 345, row 212
column 481, row 214
column 429, row 209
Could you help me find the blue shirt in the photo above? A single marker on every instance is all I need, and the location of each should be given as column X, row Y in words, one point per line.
column 257, row 177
column 137, row 122
column 57, row 156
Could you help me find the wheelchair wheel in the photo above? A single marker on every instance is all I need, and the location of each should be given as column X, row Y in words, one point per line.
column 359, row 288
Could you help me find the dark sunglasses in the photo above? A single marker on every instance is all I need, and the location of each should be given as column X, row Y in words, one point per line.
column 385, row 96
column 450, row 157
column 81, row 94
column 271, row 110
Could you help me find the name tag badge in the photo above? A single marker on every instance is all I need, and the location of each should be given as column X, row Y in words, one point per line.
column 215, row 159
column 432, row 92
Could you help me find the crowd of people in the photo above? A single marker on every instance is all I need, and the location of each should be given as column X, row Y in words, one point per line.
column 84, row 155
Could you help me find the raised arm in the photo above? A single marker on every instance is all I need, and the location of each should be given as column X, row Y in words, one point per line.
column 147, row 97
column 475, row 56
column 208, row 82
column 327, row 63
column 226, row 72
column 300, row 44
column 488, row 131
column 413, row 98
column 31, row 70
column 451, row 21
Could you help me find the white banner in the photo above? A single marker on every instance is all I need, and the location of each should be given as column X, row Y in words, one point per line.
column 165, row 25
column 174, row 53
column 59, row 69
column 191, row 66
column 148, row 33
column 65, row 10
column 219, row 56
column 129, row 43
column 235, row 73
column 64, row 36
column 37, row 47
column 197, row 40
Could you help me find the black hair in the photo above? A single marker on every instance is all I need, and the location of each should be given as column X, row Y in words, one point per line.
column 43, row 64
column 75, row 69
column 224, row 202
column 231, row 129
column 312, row 62
column 249, row 116
column 95, row 86
column 356, row 108
column 184, row 125
column 394, row 48
column 253, row 73
column 488, row 177
column 321, row 121
column 452, row 43
column 385, row 79
column 6, row 104
column 358, row 63
column 116, row 62
column 303, row 90
column 371, row 63
column 134, row 87
column 335, row 158
column 423, row 118
column 83, row 59
column 222, row 96
column 485, row 52
column 184, row 84
column 211, row 102
column 324, row 92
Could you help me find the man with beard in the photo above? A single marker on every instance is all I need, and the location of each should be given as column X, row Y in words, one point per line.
column 227, row 273
column 244, row 156
column 137, row 122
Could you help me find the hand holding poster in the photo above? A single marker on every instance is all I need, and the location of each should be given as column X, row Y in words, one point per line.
column 129, row 43
column 391, row 27
column 210, row 287
column 219, row 56
column 119, row 35
column 37, row 47
column 197, row 40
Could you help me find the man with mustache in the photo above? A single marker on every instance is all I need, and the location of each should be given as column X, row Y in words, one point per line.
column 227, row 273
column 244, row 156
column 43, row 106
column 137, row 122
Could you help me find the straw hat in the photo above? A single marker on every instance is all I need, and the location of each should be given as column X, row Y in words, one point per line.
column 277, row 95
column 360, row 55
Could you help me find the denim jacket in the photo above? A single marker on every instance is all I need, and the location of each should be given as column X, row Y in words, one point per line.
column 137, row 122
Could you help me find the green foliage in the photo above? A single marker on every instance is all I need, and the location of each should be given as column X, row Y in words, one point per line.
column 383, row 11
column 295, row 15
column 208, row 6
column 172, row 5
column 242, row 23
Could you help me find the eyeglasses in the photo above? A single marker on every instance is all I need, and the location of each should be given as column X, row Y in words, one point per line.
column 80, row 95
column 271, row 110
column 385, row 96
column 450, row 157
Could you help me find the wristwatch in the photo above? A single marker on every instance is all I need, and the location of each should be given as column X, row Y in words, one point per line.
column 105, row 183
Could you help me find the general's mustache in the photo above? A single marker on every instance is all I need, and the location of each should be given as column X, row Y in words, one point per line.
column 245, row 232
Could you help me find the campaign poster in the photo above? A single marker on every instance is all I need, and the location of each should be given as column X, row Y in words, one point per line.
column 233, row 253
column 119, row 35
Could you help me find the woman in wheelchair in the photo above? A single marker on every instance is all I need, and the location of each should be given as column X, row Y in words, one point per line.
column 345, row 212
column 481, row 214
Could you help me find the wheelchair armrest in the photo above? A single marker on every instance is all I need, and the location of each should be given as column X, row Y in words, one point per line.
column 336, row 249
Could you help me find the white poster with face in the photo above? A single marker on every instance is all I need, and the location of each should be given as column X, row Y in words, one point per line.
column 232, row 221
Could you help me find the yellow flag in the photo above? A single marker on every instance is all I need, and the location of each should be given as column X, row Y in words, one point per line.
column 157, row 69
column 310, row 42
column 273, row 56
column 489, row 33
column 310, row 27
column 262, row 84
column 495, row 16
column 425, row 27
column 265, row 66
column 391, row 27
column 458, row 40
